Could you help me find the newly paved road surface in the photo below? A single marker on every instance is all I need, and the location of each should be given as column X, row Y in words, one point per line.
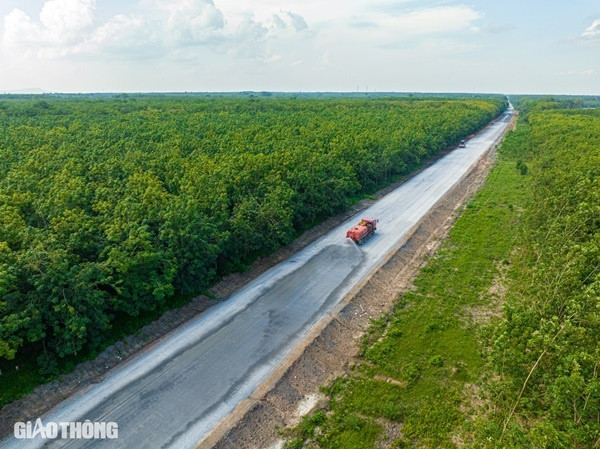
column 173, row 394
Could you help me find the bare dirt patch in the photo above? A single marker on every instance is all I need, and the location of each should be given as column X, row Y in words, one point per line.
column 308, row 404
column 492, row 300
column 332, row 347
column 389, row 380
column 392, row 431
column 473, row 402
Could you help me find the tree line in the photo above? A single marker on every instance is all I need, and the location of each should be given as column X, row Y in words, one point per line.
column 545, row 353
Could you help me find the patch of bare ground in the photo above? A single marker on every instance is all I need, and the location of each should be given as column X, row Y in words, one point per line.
column 490, row 308
column 475, row 405
column 457, row 440
column 392, row 432
column 474, row 402
column 308, row 404
column 389, row 380
column 332, row 347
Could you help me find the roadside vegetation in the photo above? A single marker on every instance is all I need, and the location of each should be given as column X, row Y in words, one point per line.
column 498, row 344
column 555, row 101
column 114, row 210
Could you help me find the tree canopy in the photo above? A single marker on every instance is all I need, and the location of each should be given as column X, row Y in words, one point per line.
column 110, row 206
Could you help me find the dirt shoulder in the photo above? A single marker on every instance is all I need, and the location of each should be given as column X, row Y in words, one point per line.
column 332, row 346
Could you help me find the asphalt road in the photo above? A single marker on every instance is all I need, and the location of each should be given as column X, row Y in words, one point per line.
column 173, row 394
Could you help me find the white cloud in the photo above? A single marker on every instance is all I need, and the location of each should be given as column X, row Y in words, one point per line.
column 65, row 20
column 217, row 38
column 593, row 30
column 178, row 27
column 433, row 20
column 403, row 28
column 298, row 22
column 271, row 59
column 173, row 27
column 239, row 45
column 266, row 39
column 121, row 33
column 60, row 22
column 20, row 29
column 277, row 22
column 192, row 21
column 251, row 30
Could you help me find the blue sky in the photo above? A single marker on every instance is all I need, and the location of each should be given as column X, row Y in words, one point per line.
column 527, row 46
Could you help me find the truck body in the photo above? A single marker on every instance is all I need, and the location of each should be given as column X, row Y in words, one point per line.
column 362, row 231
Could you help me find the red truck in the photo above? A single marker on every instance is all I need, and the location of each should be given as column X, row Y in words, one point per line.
column 362, row 231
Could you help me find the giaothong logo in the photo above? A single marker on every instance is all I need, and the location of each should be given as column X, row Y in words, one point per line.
column 87, row 430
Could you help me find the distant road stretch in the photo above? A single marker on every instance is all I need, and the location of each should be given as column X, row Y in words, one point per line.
column 172, row 395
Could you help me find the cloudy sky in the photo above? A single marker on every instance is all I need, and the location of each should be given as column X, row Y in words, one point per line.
column 508, row 46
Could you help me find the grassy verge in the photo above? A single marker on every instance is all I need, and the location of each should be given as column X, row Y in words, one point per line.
column 416, row 383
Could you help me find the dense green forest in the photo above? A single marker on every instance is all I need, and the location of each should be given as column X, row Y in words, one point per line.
column 498, row 345
column 109, row 207
column 546, row 351
column 555, row 101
